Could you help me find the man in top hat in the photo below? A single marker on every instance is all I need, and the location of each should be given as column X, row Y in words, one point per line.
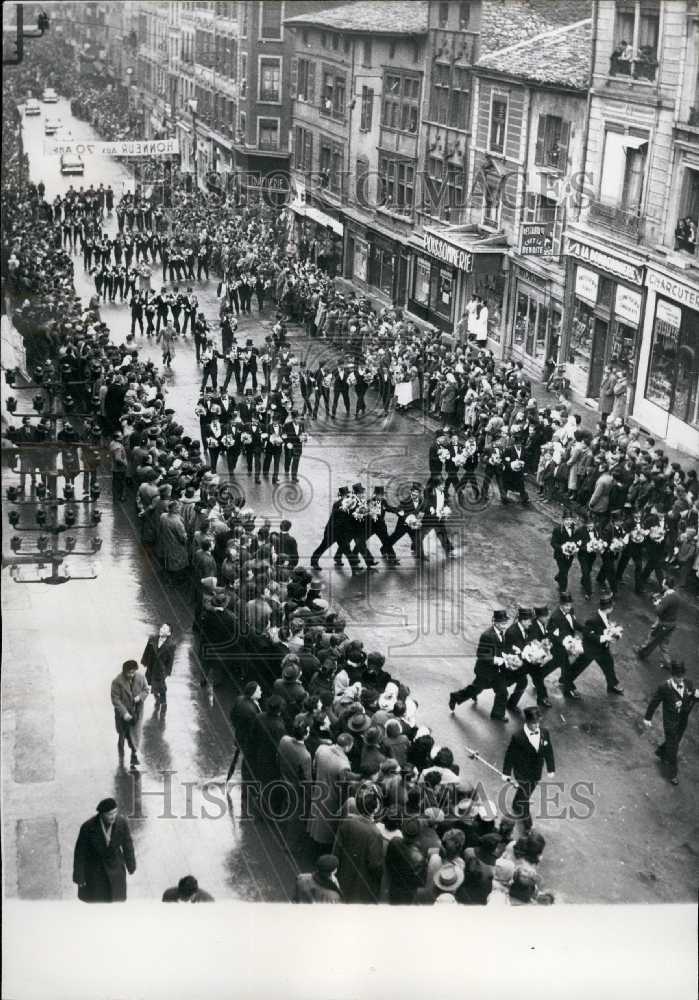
column 249, row 359
column 514, row 460
column 525, row 757
column 563, row 624
column 597, row 648
column 434, row 518
column 538, row 631
column 517, row 637
column 678, row 696
column 338, row 529
column 412, row 506
column 489, row 669
column 563, row 534
column 340, row 383
column 380, row 507
column 360, row 528
column 293, row 436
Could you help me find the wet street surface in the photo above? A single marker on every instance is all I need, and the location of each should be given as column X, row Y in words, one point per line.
column 63, row 645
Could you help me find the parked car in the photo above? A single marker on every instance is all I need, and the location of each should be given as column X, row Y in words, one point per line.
column 50, row 96
column 52, row 125
column 32, row 107
column 71, row 163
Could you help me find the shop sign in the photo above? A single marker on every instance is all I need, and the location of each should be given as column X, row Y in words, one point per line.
column 628, row 305
column 619, row 268
column 448, row 253
column 537, row 239
column 586, row 283
column 676, row 290
column 668, row 320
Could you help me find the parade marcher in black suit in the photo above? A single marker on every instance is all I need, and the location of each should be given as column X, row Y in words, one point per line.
column 136, row 306
column 249, row 360
column 563, row 533
column 412, row 506
column 378, row 525
column 516, row 638
column 525, row 757
column 634, row 549
column 584, row 536
column 254, row 447
column 678, row 697
column 293, row 445
column 337, row 530
column 434, row 502
column 103, row 855
column 490, row 671
column 359, row 529
column 158, row 658
column 340, row 389
column 595, row 648
column 323, row 380
column 274, row 447
column 514, row 460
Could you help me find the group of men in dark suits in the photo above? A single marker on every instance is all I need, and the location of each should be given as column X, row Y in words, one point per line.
column 354, row 520
column 327, row 386
column 502, row 640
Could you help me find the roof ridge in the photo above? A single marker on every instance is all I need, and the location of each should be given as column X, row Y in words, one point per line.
column 537, row 38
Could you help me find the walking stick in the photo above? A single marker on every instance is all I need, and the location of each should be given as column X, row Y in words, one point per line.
column 474, row 755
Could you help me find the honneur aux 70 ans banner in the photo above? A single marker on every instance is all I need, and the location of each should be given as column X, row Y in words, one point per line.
column 130, row 147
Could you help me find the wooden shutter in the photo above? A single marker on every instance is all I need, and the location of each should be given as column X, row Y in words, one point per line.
column 540, row 141
column 308, row 153
column 563, row 143
column 311, row 82
column 294, row 82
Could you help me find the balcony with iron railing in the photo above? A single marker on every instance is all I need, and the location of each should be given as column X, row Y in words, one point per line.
column 617, row 218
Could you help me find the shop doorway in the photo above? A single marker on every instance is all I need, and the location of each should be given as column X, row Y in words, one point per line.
column 599, row 351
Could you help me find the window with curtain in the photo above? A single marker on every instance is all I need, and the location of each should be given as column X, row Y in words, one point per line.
column 401, row 99
column 421, row 286
column 636, row 32
column 268, row 132
column 270, row 79
column 552, row 142
column 623, row 170
column 498, row 123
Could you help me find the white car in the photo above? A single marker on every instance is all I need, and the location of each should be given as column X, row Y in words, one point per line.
column 52, row 125
column 50, row 96
column 71, row 163
column 32, row 107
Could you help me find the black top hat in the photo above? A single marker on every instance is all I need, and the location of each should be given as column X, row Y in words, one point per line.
column 540, row 610
column 500, row 617
column 416, row 486
column 379, row 491
column 606, row 601
column 357, row 488
column 565, row 598
column 343, row 491
column 525, row 614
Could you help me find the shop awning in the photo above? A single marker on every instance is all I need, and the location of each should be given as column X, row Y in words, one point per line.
column 315, row 214
column 634, row 141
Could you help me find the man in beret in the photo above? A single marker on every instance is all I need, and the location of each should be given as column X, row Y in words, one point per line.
column 103, row 855
column 319, row 886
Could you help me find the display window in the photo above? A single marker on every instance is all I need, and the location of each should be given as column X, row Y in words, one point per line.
column 673, row 374
column 491, row 288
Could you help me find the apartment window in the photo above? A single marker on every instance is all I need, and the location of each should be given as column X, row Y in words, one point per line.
column 361, row 180
column 439, row 97
column 552, row 142
column 464, row 15
column 455, row 200
column 270, row 79
column 538, row 208
column 498, row 123
column 303, row 149
column 244, row 24
column 334, row 42
column 443, row 15
column 331, row 157
column 304, row 86
column 243, row 75
column 636, row 39
column 366, row 52
column 367, row 111
column 401, row 102
column 398, row 184
column 243, row 126
column 623, row 171
column 271, row 20
column 268, row 133
column 226, row 56
column 688, row 218
column 332, row 102
column 458, row 98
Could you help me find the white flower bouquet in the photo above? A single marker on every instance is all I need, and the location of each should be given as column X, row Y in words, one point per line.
column 573, row 645
column 275, row 440
column 414, row 520
column 612, row 634
column 361, row 511
column 517, row 465
column 246, row 438
column 327, row 381
column 570, row 549
column 617, row 545
column 289, row 446
column 537, row 652
column 375, row 510
column 351, row 379
column 513, row 661
column 348, row 503
column 596, row 545
column 443, row 454
column 444, row 513
column 657, row 533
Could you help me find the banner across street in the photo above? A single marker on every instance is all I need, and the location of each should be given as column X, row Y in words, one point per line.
column 136, row 147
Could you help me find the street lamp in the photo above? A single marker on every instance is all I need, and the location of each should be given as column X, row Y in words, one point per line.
column 193, row 108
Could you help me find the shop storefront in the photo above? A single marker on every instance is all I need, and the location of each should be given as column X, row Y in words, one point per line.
column 667, row 397
column 605, row 309
column 317, row 235
column 537, row 313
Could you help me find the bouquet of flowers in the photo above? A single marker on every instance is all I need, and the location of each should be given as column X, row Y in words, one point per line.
column 289, row 446
column 657, row 533
column 638, row 535
column 444, row 513
column 275, row 440
column 327, row 381
column 375, row 510
column 246, row 438
column 617, row 545
column 360, row 511
column 513, row 661
column 537, row 652
column 596, row 545
column 348, row 503
column 517, row 465
column 495, row 458
column 351, row 379
column 414, row 520
column 612, row 633
column 569, row 549
column 573, row 646
column 443, row 454
column 200, row 411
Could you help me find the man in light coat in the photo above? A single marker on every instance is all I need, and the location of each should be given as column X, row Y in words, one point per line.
column 129, row 691
column 332, row 771
column 359, row 848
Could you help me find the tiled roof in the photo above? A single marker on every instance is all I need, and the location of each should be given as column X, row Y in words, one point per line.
column 507, row 22
column 377, row 17
column 560, row 56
